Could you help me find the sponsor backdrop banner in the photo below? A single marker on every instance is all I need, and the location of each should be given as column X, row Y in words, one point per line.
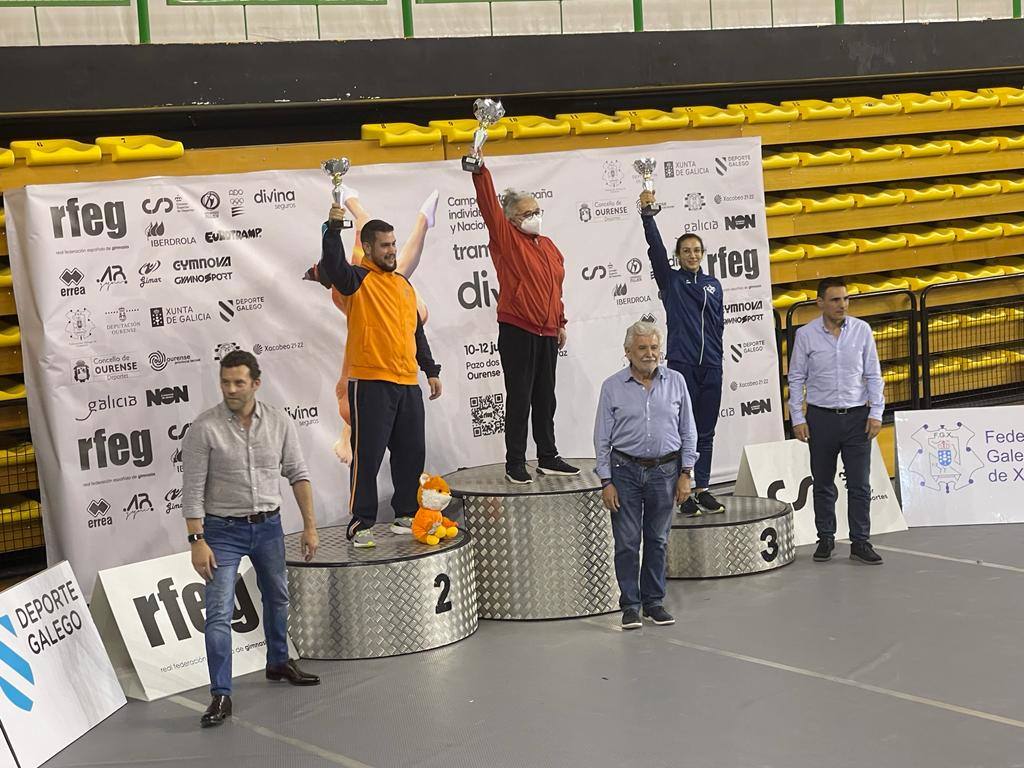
column 962, row 467
column 129, row 292
column 56, row 681
column 783, row 471
column 152, row 621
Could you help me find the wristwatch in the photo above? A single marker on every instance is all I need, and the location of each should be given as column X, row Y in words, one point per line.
column 194, row 537
column 688, row 471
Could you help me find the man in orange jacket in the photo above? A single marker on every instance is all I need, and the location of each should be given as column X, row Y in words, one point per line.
column 531, row 323
column 385, row 346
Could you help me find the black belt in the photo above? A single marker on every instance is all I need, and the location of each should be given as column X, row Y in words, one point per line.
column 837, row 411
column 648, row 463
column 259, row 517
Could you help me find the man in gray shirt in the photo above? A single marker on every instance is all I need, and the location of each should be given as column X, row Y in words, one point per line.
column 233, row 457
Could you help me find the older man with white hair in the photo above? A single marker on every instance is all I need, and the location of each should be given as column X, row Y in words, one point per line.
column 531, row 323
column 646, row 445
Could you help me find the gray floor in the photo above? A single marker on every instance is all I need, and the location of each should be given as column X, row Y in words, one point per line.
column 919, row 662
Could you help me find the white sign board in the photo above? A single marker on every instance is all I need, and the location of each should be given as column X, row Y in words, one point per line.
column 56, row 681
column 152, row 616
column 783, row 471
column 961, row 467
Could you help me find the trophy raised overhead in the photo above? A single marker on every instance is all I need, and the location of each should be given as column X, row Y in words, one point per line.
column 645, row 167
column 487, row 112
column 336, row 168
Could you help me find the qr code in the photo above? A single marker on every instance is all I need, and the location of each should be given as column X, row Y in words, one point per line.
column 488, row 414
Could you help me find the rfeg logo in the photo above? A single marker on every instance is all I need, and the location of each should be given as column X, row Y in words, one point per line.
column 12, row 662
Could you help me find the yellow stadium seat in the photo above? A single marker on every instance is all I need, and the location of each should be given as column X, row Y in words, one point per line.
column 1008, row 181
column 967, row 230
column 15, row 451
column 773, row 161
column 462, row 130
column 872, row 241
column 711, row 117
column 595, row 122
column 400, row 134
column 873, row 283
column 913, row 149
column 11, row 389
column 6, row 158
column 1012, row 224
column 982, row 358
column 3, row 218
column 966, row 144
column 810, row 287
column 822, row 201
column 654, row 119
column 895, row 373
column 781, row 251
column 760, row 112
column 918, row 102
column 1011, row 265
column 868, row 152
column 968, row 99
column 824, row 246
column 783, row 298
column 944, row 323
column 919, row 279
column 945, row 366
column 6, row 281
column 894, row 329
column 1008, row 97
column 815, row 109
column 874, row 197
column 923, row 192
column 813, row 155
column 18, row 509
column 923, row 235
column 968, row 186
column 969, row 270
column 126, row 149
column 983, row 317
column 10, row 334
column 782, row 206
column 535, row 127
column 1014, row 356
column 1007, row 138
column 869, row 106
column 56, row 152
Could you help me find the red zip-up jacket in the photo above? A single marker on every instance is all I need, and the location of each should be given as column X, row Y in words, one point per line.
column 530, row 268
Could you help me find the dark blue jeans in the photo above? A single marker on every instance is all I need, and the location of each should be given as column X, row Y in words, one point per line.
column 646, row 503
column 832, row 434
column 231, row 540
column 704, row 384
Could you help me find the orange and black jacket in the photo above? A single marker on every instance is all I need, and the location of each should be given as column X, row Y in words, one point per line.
column 386, row 341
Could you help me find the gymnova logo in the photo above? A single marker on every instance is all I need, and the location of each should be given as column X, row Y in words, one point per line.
column 12, row 662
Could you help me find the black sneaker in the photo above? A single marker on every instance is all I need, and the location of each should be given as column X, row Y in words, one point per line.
column 516, row 473
column 824, row 551
column 556, row 466
column 863, row 552
column 690, row 508
column 659, row 615
column 631, row 619
column 709, row 503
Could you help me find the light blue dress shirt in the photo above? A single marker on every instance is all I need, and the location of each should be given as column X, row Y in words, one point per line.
column 838, row 371
column 646, row 423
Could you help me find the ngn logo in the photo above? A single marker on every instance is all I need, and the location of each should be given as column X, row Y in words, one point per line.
column 167, row 395
column 755, row 407
column 741, row 221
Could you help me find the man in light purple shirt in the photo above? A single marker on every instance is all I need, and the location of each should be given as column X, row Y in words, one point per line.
column 836, row 360
column 646, row 445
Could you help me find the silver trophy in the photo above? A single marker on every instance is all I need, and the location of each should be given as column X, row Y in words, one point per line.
column 645, row 167
column 336, row 168
column 487, row 113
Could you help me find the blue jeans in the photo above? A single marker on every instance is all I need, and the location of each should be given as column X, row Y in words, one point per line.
column 646, row 503
column 231, row 540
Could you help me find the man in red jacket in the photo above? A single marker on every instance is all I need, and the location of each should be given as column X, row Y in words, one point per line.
column 531, row 324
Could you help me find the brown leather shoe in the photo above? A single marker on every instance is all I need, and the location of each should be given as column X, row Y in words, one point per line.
column 218, row 711
column 289, row 671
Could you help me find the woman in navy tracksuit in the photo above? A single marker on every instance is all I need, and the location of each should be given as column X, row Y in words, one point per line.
column 696, row 319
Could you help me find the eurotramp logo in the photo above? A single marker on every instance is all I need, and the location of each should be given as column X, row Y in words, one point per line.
column 12, row 662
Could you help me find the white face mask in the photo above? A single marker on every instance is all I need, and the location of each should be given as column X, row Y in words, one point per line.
column 531, row 226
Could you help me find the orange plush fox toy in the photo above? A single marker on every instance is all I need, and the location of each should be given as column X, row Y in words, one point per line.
column 429, row 525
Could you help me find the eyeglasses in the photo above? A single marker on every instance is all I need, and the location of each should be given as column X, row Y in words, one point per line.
column 531, row 214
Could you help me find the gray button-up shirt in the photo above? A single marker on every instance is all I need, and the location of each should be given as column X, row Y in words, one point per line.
column 646, row 423
column 837, row 371
column 231, row 472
